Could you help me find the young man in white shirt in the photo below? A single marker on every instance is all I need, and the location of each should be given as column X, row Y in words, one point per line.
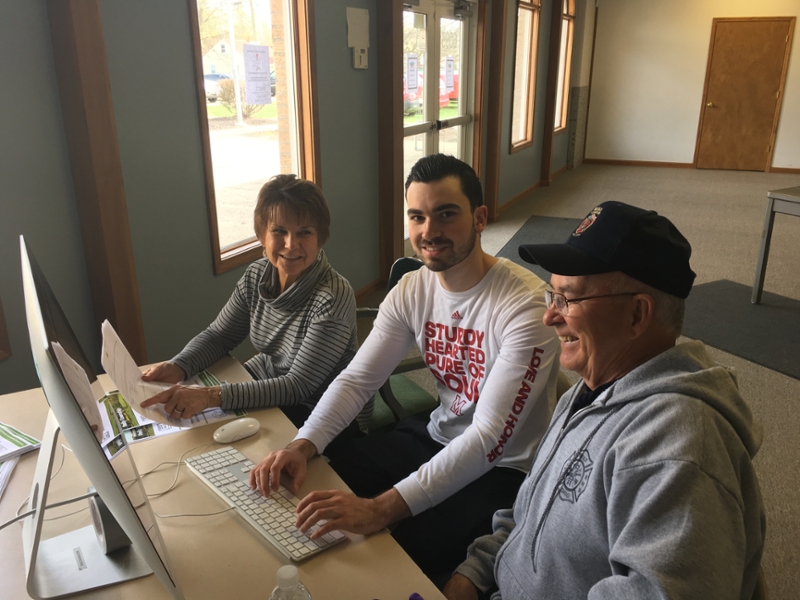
column 477, row 320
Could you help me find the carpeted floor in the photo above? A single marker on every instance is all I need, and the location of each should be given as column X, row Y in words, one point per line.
column 721, row 315
column 538, row 230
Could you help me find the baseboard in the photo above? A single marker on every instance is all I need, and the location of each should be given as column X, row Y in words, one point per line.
column 637, row 163
column 505, row 206
column 787, row 170
column 370, row 289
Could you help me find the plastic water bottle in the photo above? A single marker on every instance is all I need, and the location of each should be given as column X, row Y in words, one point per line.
column 289, row 586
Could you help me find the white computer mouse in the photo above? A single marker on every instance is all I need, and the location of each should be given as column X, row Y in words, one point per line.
column 236, row 430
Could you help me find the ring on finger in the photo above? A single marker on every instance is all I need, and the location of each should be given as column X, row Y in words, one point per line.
column 179, row 410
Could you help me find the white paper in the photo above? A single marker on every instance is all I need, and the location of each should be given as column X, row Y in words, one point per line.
column 14, row 442
column 449, row 63
column 411, row 72
column 257, row 88
column 357, row 27
column 78, row 383
column 137, row 427
column 122, row 369
column 6, row 468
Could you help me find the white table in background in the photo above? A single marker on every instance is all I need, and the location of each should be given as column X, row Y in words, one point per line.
column 785, row 201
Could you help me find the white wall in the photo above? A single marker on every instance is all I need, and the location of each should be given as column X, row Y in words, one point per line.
column 649, row 72
column 582, row 49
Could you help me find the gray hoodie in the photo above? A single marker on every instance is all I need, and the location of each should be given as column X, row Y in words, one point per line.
column 648, row 492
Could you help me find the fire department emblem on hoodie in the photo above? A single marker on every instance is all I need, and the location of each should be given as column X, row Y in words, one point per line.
column 575, row 477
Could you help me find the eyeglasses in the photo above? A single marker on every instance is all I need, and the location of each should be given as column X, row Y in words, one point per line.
column 562, row 302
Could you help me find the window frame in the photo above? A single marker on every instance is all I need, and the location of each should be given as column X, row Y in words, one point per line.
column 535, row 8
column 302, row 14
column 565, row 67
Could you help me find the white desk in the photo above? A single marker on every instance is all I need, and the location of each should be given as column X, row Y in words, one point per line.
column 785, row 201
column 213, row 557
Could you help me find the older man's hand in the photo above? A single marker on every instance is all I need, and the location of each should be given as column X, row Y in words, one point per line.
column 460, row 588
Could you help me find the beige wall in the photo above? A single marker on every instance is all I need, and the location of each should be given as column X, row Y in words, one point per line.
column 649, row 72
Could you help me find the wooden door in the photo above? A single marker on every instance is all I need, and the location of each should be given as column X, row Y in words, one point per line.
column 744, row 83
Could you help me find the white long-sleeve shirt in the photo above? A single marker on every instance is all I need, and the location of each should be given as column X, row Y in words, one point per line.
column 495, row 365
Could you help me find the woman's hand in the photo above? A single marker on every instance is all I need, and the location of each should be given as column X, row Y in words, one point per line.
column 185, row 401
column 168, row 372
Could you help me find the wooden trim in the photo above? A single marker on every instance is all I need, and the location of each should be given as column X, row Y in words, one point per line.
column 550, row 94
column 787, row 170
column 205, row 140
column 559, row 172
column 5, row 345
column 564, row 108
column 591, row 74
column 306, row 71
column 480, row 72
column 494, row 112
column 390, row 133
column 637, row 163
column 369, row 289
column 705, row 92
column 530, row 96
column 518, row 197
column 87, row 109
column 521, row 146
column 779, row 103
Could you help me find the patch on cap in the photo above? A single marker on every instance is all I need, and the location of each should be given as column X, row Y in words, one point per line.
column 588, row 221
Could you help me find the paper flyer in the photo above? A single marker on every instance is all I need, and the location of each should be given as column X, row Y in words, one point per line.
column 146, row 423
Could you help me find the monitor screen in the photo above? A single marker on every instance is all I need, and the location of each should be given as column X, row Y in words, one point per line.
column 72, row 390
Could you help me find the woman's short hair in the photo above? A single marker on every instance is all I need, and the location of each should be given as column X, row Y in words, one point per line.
column 299, row 198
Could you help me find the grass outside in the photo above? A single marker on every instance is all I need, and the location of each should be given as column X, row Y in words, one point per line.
column 270, row 111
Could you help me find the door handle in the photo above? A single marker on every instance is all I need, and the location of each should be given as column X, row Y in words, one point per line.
column 710, row 104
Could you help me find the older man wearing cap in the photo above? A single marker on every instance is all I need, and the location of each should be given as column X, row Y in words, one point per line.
column 643, row 486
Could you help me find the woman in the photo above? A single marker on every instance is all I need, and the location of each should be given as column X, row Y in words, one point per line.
column 299, row 312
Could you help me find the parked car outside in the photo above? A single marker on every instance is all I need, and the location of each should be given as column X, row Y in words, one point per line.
column 211, row 85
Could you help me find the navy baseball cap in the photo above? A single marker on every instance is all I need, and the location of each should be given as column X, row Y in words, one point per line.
column 616, row 236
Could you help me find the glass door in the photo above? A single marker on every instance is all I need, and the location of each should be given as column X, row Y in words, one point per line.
column 438, row 58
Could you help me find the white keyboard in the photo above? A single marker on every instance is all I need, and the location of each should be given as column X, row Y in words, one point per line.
column 227, row 472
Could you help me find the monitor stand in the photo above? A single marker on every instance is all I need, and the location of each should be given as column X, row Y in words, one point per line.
column 73, row 562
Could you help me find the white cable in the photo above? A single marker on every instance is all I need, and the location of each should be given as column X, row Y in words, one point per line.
column 19, row 517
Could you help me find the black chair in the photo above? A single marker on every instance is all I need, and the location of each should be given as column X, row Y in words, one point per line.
column 399, row 394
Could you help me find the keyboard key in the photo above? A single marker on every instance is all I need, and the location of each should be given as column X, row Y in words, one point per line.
column 273, row 518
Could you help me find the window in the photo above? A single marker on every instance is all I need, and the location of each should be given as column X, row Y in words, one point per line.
column 564, row 61
column 255, row 93
column 437, row 111
column 525, row 74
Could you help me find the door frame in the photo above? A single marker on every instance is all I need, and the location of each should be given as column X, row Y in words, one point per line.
column 778, row 105
column 390, row 123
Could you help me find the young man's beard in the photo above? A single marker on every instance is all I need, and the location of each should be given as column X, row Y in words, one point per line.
column 457, row 256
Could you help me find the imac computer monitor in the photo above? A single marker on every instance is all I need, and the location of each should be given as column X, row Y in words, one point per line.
column 82, row 559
